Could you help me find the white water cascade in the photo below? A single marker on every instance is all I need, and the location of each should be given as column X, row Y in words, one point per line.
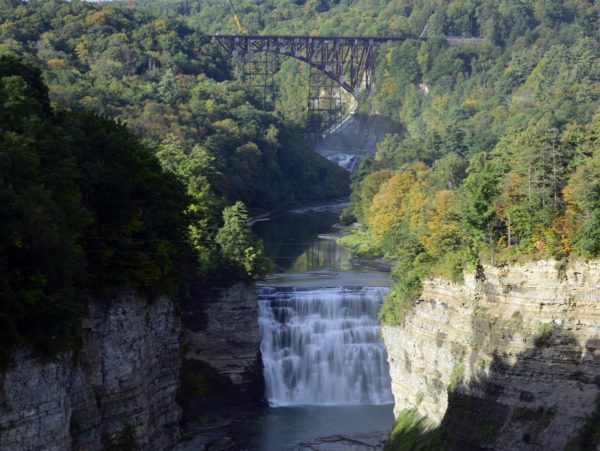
column 322, row 346
column 348, row 161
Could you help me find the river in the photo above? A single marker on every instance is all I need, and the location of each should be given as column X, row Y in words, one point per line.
column 325, row 366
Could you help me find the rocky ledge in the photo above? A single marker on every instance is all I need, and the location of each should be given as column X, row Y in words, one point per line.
column 365, row 442
column 221, row 329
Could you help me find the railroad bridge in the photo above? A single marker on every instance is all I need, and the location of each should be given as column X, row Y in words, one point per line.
column 335, row 62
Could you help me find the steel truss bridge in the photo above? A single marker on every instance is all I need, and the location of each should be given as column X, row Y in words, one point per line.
column 335, row 63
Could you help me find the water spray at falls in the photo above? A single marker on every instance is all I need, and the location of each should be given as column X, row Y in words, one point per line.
column 323, row 346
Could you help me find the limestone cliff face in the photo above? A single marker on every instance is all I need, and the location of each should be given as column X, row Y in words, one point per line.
column 222, row 378
column 123, row 387
column 507, row 360
column 222, row 331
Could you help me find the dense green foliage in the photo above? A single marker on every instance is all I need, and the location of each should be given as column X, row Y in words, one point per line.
column 237, row 242
column 500, row 160
column 84, row 206
column 89, row 208
column 172, row 86
column 464, row 82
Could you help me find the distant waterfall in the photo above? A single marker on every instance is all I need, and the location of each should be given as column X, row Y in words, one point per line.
column 348, row 161
column 323, row 346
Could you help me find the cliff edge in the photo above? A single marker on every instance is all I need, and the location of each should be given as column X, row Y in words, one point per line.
column 509, row 359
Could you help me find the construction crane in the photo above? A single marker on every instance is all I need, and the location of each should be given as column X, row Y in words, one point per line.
column 236, row 20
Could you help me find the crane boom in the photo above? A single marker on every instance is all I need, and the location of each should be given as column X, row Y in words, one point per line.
column 236, row 20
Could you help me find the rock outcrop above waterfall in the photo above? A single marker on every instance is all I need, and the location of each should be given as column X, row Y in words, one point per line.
column 507, row 360
column 120, row 389
column 355, row 138
column 222, row 377
column 221, row 329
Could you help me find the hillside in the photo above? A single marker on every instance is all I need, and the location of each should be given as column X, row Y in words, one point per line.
column 172, row 87
column 500, row 158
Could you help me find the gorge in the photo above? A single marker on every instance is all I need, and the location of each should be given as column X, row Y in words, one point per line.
column 483, row 338
column 179, row 269
column 507, row 358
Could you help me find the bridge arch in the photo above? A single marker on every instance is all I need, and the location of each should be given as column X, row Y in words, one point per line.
column 347, row 60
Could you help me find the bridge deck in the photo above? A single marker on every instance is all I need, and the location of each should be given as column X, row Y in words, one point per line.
column 298, row 38
column 264, row 37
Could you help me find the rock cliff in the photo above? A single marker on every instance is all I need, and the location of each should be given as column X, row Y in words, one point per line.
column 121, row 389
column 222, row 330
column 509, row 359
column 222, row 379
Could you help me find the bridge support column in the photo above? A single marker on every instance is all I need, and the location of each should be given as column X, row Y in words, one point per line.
column 258, row 71
column 325, row 107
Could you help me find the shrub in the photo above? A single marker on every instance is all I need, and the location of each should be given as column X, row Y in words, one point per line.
column 411, row 432
column 456, row 375
column 543, row 335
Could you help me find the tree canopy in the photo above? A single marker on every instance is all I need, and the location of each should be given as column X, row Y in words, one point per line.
column 170, row 84
column 119, row 158
column 86, row 208
column 498, row 161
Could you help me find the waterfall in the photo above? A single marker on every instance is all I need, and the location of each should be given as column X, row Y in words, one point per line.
column 348, row 161
column 323, row 346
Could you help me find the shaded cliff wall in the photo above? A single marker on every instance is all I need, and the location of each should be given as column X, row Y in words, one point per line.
column 222, row 368
column 222, row 330
column 359, row 134
column 509, row 360
column 122, row 389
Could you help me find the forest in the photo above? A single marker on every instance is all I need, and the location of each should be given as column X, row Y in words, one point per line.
column 173, row 88
column 85, row 207
column 499, row 161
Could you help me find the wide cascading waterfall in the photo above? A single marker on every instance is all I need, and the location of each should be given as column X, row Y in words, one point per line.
column 323, row 346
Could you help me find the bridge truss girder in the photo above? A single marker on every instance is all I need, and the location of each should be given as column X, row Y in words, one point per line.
column 325, row 106
column 349, row 61
column 258, row 71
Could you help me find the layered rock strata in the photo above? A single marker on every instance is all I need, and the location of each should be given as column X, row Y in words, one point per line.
column 222, row 330
column 222, row 381
column 120, row 389
column 509, row 359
